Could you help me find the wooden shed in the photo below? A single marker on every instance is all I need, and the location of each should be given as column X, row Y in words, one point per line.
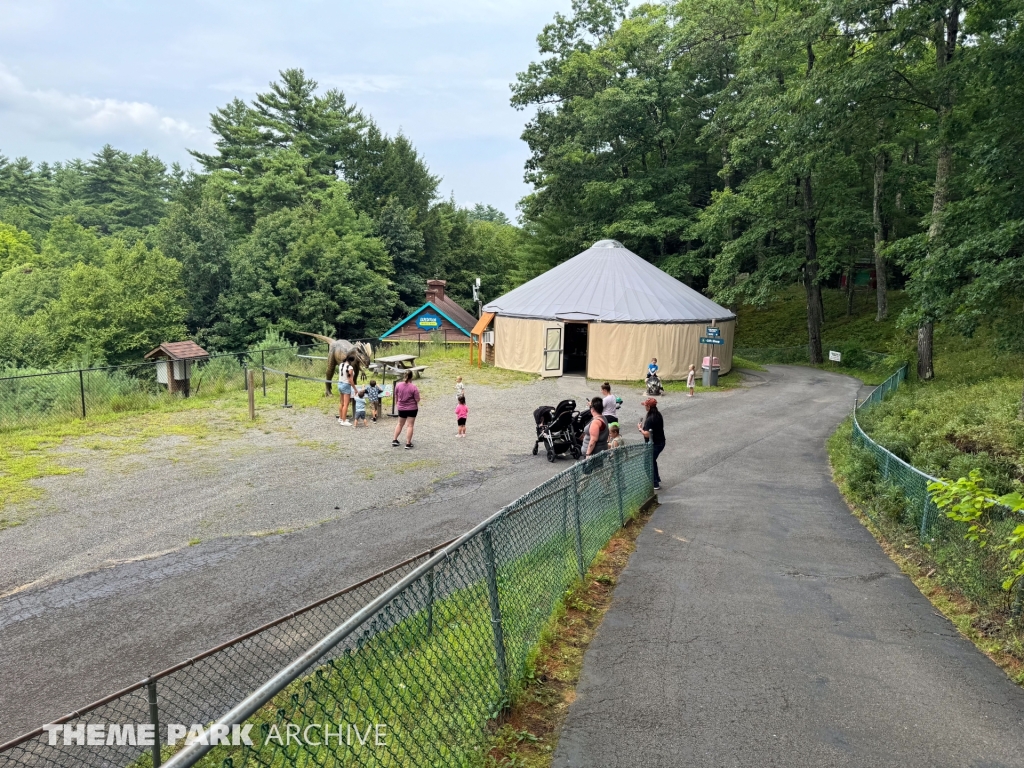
column 175, row 362
column 439, row 315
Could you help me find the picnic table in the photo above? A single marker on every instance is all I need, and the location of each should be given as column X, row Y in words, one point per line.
column 397, row 365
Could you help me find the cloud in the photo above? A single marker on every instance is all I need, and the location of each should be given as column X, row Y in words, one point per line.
column 57, row 113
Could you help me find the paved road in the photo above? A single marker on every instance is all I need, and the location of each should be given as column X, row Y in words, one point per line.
column 759, row 624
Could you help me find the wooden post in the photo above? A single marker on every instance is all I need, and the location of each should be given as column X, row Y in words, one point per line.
column 250, row 380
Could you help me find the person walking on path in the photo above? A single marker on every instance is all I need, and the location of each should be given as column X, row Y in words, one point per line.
column 653, row 430
column 609, row 404
column 461, row 412
column 691, row 376
column 346, row 387
column 407, row 398
column 595, row 438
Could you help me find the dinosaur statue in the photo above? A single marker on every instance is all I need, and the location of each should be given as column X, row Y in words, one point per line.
column 338, row 350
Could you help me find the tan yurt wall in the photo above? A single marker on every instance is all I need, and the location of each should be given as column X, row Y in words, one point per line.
column 621, row 351
column 519, row 343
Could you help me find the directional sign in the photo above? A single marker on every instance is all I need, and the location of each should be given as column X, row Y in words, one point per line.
column 835, row 357
column 709, row 340
column 712, row 331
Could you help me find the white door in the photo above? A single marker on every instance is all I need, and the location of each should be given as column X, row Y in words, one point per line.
column 554, row 336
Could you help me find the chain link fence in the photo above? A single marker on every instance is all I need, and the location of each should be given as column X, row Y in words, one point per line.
column 906, row 502
column 404, row 669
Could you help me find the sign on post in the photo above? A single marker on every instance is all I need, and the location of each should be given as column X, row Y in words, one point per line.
column 713, row 331
column 711, row 340
column 834, row 357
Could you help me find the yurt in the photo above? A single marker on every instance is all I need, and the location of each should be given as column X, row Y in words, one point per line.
column 605, row 313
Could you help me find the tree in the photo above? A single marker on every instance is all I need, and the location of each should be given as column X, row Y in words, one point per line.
column 16, row 247
column 316, row 267
column 198, row 235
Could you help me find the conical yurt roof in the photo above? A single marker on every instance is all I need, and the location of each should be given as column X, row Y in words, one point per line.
column 609, row 283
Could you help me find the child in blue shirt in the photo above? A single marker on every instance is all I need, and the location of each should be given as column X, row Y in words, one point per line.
column 652, row 369
column 359, row 398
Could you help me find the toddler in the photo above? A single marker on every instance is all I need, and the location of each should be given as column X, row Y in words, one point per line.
column 373, row 395
column 461, row 412
column 359, row 398
column 691, row 376
column 460, row 388
column 614, row 439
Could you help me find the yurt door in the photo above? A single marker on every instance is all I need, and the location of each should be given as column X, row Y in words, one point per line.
column 554, row 342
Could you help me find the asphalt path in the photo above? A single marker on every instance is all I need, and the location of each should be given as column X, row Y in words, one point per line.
column 759, row 624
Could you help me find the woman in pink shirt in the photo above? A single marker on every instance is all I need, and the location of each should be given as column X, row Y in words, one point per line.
column 407, row 398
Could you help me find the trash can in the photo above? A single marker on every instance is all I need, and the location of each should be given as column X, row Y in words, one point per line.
column 711, row 367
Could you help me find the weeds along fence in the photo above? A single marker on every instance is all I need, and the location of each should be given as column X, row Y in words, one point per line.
column 904, row 501
column 417, row 661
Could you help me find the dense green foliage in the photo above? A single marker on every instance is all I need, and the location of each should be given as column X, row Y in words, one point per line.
column 305, row 217
column 746, row 147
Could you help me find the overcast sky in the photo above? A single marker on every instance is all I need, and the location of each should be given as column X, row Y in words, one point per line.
column 140, row 75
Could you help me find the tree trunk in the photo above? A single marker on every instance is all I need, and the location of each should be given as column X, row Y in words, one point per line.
column 850, row 271
column 925, row 333
column 811, row 286
column 945, row 49
column 880, row 265
column 943, row 169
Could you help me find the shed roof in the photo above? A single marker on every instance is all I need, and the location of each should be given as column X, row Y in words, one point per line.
column 443, row 308
column 461, row 317
column 609, row 283
column 178, row 350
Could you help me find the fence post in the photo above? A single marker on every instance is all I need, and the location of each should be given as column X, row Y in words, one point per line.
column 924, row 514
column 81, row 389
column 576, row 522
column 885, row 472
column 617, row 470
column 154, row 719
column 492, row 593
column 263, row 367
column 286, row 391
column 250, row 386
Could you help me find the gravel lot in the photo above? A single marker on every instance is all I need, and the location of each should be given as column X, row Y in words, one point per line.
column 100, row 581
column 295, row 468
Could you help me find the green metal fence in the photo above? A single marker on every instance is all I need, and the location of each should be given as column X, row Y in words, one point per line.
column 976, row 573
column 409, row 677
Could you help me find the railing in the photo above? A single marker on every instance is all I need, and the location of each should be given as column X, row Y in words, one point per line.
column 423, row 655
column 38, row 398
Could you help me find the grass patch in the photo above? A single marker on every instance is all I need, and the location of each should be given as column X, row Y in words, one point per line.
column 966, row 418
column 444, row 364
column 526, row 735
column 32, row 454
column 783, row 323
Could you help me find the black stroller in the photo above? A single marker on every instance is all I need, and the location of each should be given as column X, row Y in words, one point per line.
column 557, row 429
column 654, row 387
